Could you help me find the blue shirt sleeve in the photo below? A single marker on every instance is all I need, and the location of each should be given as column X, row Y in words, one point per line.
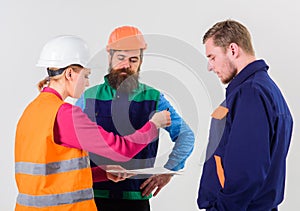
column 81, row 102
column 181, row 134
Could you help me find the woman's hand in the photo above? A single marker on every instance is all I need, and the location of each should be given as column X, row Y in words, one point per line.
column 116, row 173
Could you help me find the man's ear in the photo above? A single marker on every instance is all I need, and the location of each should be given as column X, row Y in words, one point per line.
column 233, row 49
column 109, row 58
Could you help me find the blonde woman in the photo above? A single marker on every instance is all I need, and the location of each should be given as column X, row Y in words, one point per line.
column 53, row 137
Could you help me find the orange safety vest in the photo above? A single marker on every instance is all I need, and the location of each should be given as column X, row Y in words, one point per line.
column 49, row 176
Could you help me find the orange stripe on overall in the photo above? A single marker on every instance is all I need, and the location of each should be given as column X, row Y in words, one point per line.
column 220, row 170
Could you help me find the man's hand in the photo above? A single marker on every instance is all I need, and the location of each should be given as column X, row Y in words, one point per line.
column 161, row 119
column 155, row 182
column 117, row 176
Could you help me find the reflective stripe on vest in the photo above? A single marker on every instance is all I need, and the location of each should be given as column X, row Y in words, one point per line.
column 52, row 168
column 55, row 199
column 49, row 176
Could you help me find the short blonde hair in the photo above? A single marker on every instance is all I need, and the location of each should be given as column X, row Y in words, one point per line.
column 226, row 32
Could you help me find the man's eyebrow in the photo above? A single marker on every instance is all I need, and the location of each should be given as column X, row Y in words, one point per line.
column 121, row 54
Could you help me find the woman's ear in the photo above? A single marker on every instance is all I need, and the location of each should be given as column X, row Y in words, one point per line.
column 68, row 73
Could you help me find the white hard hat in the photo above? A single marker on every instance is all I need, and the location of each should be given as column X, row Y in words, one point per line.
column 63, row 51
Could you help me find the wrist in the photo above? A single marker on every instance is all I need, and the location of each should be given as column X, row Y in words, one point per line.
column 154, row 123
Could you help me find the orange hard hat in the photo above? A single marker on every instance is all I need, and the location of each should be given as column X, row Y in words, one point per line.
column 126, row 38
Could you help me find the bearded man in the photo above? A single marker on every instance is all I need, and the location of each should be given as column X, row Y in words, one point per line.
column 122, row 105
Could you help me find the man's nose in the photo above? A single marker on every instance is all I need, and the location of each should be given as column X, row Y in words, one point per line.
column 125, row 63
column 210, row 67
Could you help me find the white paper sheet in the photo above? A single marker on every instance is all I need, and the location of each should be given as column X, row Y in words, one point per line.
column 155, row 170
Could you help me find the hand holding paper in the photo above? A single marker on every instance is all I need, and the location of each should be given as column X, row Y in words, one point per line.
column 151, row 171
column 117, row 173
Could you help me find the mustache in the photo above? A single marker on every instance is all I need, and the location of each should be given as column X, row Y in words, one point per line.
column 122, row 70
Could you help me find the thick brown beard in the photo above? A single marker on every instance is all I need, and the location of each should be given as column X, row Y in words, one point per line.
column 125, row 84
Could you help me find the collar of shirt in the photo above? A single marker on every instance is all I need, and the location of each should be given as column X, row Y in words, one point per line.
column 53, row 91
column 250, row 69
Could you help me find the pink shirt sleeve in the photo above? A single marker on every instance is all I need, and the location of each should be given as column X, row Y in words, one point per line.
column 74, row 129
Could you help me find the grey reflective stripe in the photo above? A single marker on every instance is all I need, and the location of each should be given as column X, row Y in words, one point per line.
column 51, row 168
column 55, row 199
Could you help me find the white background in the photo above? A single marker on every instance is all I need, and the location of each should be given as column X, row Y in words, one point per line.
column 27, row 25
